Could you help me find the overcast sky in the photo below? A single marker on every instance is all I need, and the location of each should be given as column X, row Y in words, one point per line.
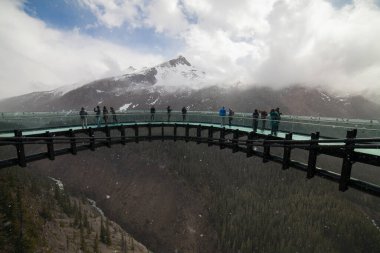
column 45, row 44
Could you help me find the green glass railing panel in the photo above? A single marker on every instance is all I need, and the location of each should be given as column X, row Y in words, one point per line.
column 328, row 127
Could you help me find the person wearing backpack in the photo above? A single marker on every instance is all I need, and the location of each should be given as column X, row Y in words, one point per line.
column 274, row 120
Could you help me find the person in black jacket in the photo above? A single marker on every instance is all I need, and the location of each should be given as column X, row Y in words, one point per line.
column 113, row 113
column 230, row 116
column 152, row 112
column 255, row 120
column 97, row 111
column 264, row 116
column 169, row 112
column 184, row 111
column 105, row 115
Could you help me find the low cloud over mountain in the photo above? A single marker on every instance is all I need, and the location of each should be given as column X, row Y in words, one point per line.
column 178, row 83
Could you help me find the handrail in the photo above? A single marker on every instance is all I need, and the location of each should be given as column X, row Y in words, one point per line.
column 204, row 114
column 57, row 120
column 237, row 115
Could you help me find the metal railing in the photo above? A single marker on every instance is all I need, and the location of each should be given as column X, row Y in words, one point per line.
column 297, row 124
column 238, row 140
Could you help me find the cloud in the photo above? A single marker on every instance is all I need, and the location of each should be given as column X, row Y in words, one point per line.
column 283, row 42
column 114, row 13
column 272, row 42
column 36, row 57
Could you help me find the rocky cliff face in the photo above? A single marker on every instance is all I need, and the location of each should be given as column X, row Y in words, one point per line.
column 38, row 215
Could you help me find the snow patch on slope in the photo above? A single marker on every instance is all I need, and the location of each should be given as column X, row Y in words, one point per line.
column 93, row 204
column 125, row 107
column 60, row 91
column 180, row 76
column 58, row 182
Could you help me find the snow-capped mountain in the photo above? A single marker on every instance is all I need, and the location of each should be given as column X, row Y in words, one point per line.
column 178, row 83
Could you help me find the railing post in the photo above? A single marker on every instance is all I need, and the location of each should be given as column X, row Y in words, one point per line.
column 20, row 149
column 149, row 132
column 235, row 146
column 210, row 136
column 175, row 131
column 73, row 143
column 266, row 153
column 50, row 145
column 187, row 130
column 136, row 133
column 199, row 134
column 313, row 152
column 249, row 144
column 347, row 160
column 287, row 152
column 122, row 134
column 222, row 138
column 92, row 138
column 108, row 136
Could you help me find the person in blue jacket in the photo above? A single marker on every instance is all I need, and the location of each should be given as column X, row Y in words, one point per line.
column 222, row 113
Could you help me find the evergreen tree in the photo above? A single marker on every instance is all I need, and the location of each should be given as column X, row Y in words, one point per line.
column 108, row 234
column 96, row 244
column 82, row 241
column 102, row 231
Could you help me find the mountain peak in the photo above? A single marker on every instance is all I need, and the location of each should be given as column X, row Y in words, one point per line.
column 180, row 60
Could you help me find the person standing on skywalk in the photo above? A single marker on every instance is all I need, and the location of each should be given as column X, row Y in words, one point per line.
column 152, row 112
column 97, row 111
column 263, row 115
column 255, row 120
column 274, row 121
column 231, row 114
column 184, row 111
column 105, row 115
column 113, row 113
column 169, row 109
column 222, row 114
column 83, row 117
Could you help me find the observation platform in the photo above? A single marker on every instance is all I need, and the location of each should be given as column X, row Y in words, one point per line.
column 348, row 139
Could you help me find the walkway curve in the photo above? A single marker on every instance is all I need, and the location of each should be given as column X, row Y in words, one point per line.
column 236, row 138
